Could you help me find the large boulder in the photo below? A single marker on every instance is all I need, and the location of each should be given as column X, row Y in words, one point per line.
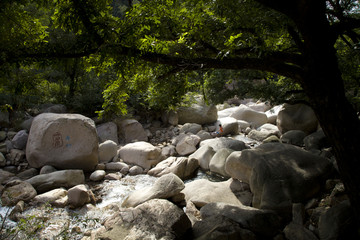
column 263, row 223
column 294, row 137
column 316, row 140
column 20, row 139
column 203, row 155
column 338, row 222
column 142, row 154
column 223, row 142
column 297, row 117
column 259, row 106
column 193, row 128
column 201, row 114
column 218, row 162
column 230, row 126
column 187, row 144
column 107, row 131
column 220, row 227
column 16, row 191
column 255, row 118
column 182, row 167
column 226, row 112
column 130, row 130
column 154, row 219
column 65, row 141
column 272, row 114
column 202, row 192
column 279, row 174
column 65, row 178
column 259, row 135
column 165, row 187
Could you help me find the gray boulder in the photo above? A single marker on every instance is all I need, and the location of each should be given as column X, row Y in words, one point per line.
column 130, row 130
column 54, row 108
column 15, row 156
column 65, row 141
column 116, row 166
column 47, row 169
column 260, row 135
column 338, row 222
column 264, row 223
column 107, row 151
column 97, row 175
column 5, row 176
column 316, row 140
column 50, row 197
column 187, row 144
column 20, row 139
column 230, row 126
column 294, row 174
column 295, row 231
column 165, row 187
column 182, row 167
column 255, row 118
column 16, row 191
column 218, row 162
column 203, row 155
column 193, row 128
column 154, row 219
column 79, row 195
column 202, row 192
column 135, row 170
column 107, row 131
column 294, row 137
column 272, row 114
column 224, row 142
column 28, row 173
column 297, row 117
column 197, row 113
column 259, row 106
column 142, row 154
column 65, row 178
column 204, row 135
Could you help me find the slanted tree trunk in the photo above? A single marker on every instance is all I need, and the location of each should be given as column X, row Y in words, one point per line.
column 324, row 86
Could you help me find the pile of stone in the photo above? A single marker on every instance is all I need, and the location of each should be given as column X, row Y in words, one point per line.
column 282, row 183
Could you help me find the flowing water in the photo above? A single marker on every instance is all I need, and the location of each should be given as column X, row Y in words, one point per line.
column 65, row 223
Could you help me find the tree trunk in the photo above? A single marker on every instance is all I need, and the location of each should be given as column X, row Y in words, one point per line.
column 324, row 86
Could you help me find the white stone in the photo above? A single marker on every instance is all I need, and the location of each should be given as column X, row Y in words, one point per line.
column 142, row 154
column 97, row 175
column 107, row 151
column 255, row 118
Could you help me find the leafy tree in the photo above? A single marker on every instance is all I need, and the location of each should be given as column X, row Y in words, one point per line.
column 313, row 43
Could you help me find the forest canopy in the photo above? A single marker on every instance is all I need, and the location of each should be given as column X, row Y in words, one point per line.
column 148, row 55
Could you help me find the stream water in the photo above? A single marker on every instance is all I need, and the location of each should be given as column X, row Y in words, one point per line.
column 65, row 223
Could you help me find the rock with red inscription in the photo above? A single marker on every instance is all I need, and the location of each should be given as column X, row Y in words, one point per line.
column 64, row 141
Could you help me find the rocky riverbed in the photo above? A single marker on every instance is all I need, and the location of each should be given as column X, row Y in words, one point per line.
column 270, row 175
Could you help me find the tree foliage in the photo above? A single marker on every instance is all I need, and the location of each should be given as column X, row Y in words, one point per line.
column 155, row 51
column 131, row 38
